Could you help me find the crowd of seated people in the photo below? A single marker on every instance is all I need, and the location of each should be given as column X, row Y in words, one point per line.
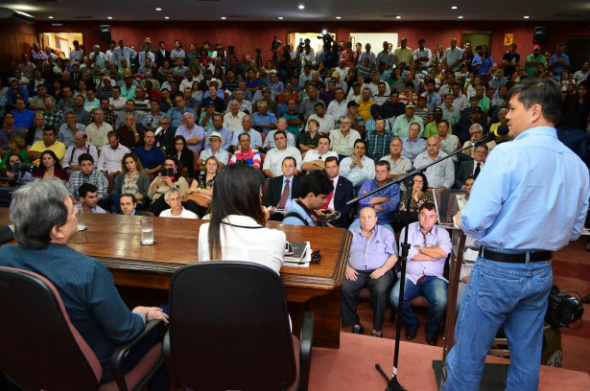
column 147, row 131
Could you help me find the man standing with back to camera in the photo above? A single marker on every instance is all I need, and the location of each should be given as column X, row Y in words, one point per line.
column 529, row 201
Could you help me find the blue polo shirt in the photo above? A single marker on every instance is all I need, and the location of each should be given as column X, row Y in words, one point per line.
column 24, row 119
column 263, row 119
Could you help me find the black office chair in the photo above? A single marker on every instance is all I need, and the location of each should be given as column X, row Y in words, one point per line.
column 230, row 330
column 42, row 350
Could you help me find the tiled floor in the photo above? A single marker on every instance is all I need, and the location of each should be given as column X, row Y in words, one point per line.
column 571, row 273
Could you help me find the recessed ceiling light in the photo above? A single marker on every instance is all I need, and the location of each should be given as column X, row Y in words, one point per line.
column 454, row 7
column 527, row 17
column 339, row 17
column 166, row 17
column 301, row 6
column 398, row 17
column 280, row 18
column 158, row 9
column 50, row 17
column 109, row 17
column 459, row 17
column 223, row 18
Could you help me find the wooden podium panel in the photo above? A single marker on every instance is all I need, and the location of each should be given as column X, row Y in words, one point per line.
column 115, row 241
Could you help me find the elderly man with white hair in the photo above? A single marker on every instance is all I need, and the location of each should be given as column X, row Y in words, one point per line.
column 232, row 120
column 173, row 198
column 476, row 131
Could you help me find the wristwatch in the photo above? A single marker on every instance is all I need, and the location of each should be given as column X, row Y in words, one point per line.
column 421, row 249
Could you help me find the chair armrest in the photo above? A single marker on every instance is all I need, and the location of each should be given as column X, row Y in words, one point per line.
column 122, row 351
column 306, row 340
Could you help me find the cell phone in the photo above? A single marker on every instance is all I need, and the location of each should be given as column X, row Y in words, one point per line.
column 288, row 249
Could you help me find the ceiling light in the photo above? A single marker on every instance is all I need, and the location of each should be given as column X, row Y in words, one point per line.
column 166, row 17
column 223, row 18
column 459, row 17
column 280, row 18
column 527, row 17
column 158, row 9
column 301, row 7
column 454, row 7
column 50, row 17
column 398, row 17
column 24, row 14
column 339, row 17
column 109, row 17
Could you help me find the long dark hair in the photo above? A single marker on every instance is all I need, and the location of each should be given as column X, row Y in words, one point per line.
column 227, row 201
column 49, row 152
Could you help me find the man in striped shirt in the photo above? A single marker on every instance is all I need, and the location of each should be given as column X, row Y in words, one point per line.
column 245, row 153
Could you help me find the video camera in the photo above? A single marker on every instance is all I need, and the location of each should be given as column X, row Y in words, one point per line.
column 563, row 309
column 326, row 38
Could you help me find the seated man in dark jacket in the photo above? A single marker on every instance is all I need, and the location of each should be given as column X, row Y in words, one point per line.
column 45, row 220
column 282, row 190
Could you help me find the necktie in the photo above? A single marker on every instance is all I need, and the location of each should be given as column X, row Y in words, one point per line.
column 285, row 195
column 477, row 170
column 325, row 206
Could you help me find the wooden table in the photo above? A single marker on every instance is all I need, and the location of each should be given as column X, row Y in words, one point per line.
column 115, row 240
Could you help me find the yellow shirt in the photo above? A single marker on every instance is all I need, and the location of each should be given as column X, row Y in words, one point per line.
column 364, row 109
column 58, row 148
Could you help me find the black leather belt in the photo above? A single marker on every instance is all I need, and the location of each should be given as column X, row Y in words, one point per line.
column 535, row 256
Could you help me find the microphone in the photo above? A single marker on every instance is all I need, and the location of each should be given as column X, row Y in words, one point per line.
column 500, row 132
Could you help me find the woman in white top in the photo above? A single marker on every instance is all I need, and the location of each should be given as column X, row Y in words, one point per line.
column 237, row 229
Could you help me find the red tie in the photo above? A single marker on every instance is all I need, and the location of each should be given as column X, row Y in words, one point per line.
column 325, row 206
column 285, row 195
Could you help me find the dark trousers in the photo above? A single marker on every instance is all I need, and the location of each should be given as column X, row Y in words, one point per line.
column 379, row 290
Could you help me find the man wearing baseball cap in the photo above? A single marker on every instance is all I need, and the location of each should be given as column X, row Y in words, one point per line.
column 533, row 61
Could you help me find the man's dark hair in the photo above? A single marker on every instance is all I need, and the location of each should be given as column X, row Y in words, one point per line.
column 361, row 142
column 280, row 132
column 427, row 206
column 116, row 88
column 383, row 163
column 446, row 122
column 323, row 135
column 243, row 134
column 290, row 158
column 50, row 129
column 86, row 188
column 317, row 182
column 133, row 199
column 332, row 159
column 85, row 157
column 545, row 92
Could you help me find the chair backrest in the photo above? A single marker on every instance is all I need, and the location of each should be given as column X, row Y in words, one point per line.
column 230, row 328
column 40, row 348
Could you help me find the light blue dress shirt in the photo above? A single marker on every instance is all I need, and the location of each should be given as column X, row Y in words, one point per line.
column 532, row 194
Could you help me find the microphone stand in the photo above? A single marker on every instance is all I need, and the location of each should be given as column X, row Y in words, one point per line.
column 393, row 383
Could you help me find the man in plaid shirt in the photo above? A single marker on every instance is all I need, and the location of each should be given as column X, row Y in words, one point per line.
column 378, row 140
column 87, row 174
column 53, row 118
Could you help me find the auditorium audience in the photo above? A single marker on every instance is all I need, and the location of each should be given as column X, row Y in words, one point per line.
column 237, row 229
column 315, row 159
column 87, row 174
column 50, row 143
column 343, row 139
column 246, row 154
column 215, row 144
column 430, row 246
column 373, row 253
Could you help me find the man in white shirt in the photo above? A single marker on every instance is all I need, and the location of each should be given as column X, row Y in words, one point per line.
column 269, row 142
column 582, row 75
column 358, row 168
column 422, row 54
column 255, row 136
column 111, row 157
column 70, row 159
column 98, row 130
column 326, row 121
column 315, row 159
column 117, row 103
column 441, row 176
column 232, row 120
column 173, row 198
column 343, row 139
column 449, row 143
column 338, row 107
column 398, row 164
column 274, row 157
column 77, row 54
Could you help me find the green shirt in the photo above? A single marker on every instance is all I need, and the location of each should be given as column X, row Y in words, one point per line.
column 22, row 153
column 432, row 130
column 534, row 71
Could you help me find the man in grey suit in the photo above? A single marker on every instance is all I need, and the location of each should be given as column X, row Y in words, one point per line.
column 471, row 167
